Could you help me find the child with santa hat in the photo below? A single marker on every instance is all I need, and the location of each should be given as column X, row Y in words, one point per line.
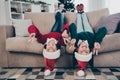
column 85, row 43
column 42, row 38
column 85, row 39
column 51, row 53
column 83, row 56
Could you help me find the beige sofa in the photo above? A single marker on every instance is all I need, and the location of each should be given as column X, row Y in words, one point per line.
column 17, row 52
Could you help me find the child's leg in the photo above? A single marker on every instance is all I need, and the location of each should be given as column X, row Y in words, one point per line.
column 49, row 63
column 100, row 34
column 73, row 31
column 86, row 23
column 33, row 29
column 79, row 23
column 59, row 21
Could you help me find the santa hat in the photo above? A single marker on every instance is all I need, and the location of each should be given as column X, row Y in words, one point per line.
column 51, row 55
column 84, row 58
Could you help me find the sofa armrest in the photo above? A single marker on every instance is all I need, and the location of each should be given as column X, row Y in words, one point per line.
column 5, row 32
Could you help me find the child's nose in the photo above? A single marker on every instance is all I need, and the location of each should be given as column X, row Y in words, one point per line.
column 51, row 45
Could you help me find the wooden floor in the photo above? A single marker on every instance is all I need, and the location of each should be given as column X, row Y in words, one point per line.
column 59, row 74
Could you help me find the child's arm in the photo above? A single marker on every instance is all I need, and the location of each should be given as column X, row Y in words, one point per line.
column 96, row 47
column 32, row 33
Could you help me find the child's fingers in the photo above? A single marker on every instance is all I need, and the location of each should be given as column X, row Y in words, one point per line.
column 96, row 52
column 73, row 41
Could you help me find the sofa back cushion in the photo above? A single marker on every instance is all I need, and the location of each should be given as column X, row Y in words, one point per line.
column 95, row 16
column 110, row 22
column 21, row 27
column 43, row 20
column 70, row 17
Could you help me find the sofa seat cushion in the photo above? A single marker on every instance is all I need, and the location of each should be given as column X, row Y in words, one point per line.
column 21, row 44
column 110, row 43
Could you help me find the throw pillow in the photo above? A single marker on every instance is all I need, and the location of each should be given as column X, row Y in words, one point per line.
column 110, row 22
column 21, row 27
column 118, row 28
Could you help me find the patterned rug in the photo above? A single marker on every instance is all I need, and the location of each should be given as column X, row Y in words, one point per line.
column 59, row 74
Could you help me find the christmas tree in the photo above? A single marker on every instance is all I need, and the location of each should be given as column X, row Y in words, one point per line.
column 68, row 5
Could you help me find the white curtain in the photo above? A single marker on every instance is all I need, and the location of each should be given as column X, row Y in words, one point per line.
column 3, row 14
column 97, row 4
column 114, row 6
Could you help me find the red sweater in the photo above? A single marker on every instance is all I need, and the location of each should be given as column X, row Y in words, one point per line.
column 42, row 38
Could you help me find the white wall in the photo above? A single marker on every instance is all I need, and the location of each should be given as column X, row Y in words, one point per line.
column 36, row 8
column 2, row 13
column 52, row 2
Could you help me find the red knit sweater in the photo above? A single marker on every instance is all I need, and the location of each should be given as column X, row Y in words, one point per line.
column 42, row 38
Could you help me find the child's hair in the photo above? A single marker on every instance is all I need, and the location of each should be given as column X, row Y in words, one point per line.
column 77, row 46
column 81, row 4
column 77, row 5
column 57, row 45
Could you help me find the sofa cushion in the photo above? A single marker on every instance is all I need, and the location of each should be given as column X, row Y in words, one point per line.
column 95, row 16
column 21, row 26
column 21, row 44
column 110, row 43
column 110, row 22
column 43, row 21
column 70, row 17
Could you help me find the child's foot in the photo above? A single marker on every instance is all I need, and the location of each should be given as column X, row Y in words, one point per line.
column 81, row 73
column 47, row 72
column 31, row 39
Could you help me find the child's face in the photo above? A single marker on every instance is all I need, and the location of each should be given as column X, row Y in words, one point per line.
column 83, row 48
column 81, row 7
column 51, row 46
